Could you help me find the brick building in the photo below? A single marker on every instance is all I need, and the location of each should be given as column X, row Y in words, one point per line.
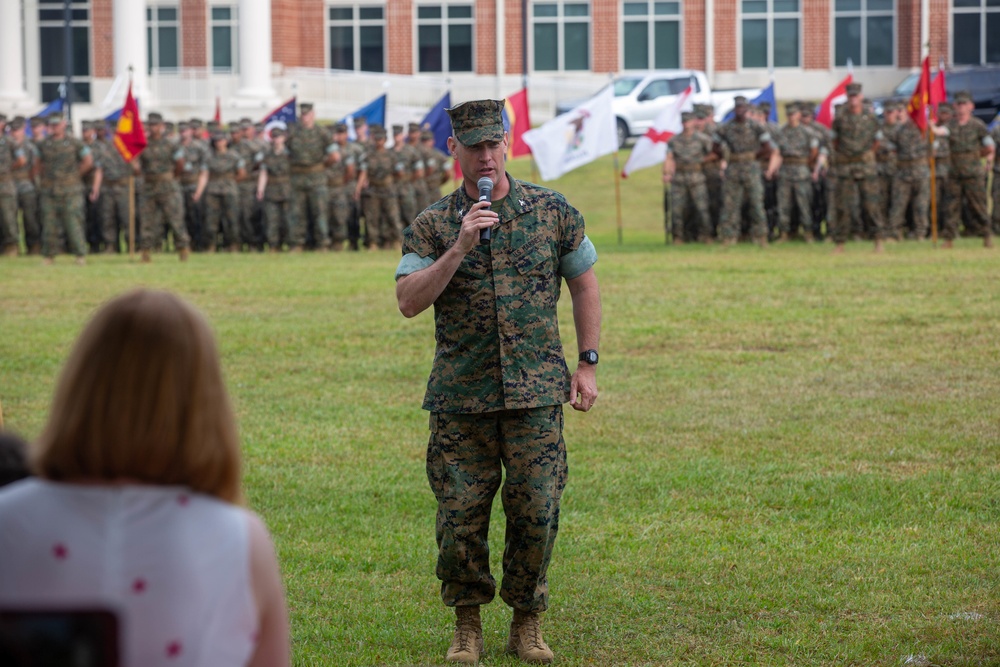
column 251, row 54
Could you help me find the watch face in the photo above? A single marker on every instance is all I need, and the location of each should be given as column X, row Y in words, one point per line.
column 590, row 357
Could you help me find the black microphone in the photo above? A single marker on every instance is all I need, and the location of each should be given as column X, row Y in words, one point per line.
column 485, row 186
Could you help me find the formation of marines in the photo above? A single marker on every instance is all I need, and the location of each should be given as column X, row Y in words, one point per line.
column 862, row 178
column 202, row 187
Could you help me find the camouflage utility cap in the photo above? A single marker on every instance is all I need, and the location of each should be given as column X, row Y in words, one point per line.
column 853, row 89
column 154, row 119
column 475, row 122
column 54, row 118
column 17, row 123
column 426, row 135
column 340, row 127
column 687, row 116
column 792, row 108
column 963, row 96
column 740, row 101
column 397, row 129
column 377, row 132
column 305, row 107
column 413, row 127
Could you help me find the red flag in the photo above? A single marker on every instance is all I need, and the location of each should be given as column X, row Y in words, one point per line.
column 917, row 107
column 130, row 138
column 516, row 109
column 939, row 91
column 218, row 111
column 824, row 116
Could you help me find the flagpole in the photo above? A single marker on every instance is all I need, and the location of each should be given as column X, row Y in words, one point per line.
column 933, row 160
column 131, row 196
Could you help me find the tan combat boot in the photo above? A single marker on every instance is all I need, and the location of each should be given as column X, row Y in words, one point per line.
column 337, row 246
column 146, row 258
column 526, row 639
column 183, row 254
column 467, row 643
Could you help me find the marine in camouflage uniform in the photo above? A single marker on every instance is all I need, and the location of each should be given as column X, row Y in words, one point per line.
column 252, row 148
column 196, row 152
column 911, row 186
column 24, row 183
column 499, row 378
column 218, row 184
column 381, row 204
column 712, row 167
column 743, row 138
column 438, row 167
column 856, row 134
column 885, row 158
column 310, row 149
column 770, row 185
column 942, row 170
column 342, row 179
column 799, row 148
column 969, row 142
column 358, row 151
column 413, row 169
column 162, row 202
column 11, row 156
column 62, row 161
column 113, row 205
column 93, row 187
column 274, row 190
column 682, row 170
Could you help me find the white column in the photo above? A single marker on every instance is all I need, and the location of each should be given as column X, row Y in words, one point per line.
column 129, row 23
column 709, row 41
column 255, row 50
column 11, row 52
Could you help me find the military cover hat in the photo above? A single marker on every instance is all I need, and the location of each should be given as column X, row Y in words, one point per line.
column 183, row 125
column 792, row 107
column 37, row 122
column 54, row 118
column 946, row 107
column 426, row 135
column 377, row 132
column 17, row 123
column 764, row 106
column 853, row 89
column 413, row 127
column 170, row 125
column 740, row 101
column 963, row 96
column 305, row 107
column 219, row 135
column 340, row 127
column 3, row 118
column 196, row 123
column 277, row 132
column 360, row 121
column 86, row 125
column 687, row 116
column 154, row 119
column 475, row 122
column 397, row 129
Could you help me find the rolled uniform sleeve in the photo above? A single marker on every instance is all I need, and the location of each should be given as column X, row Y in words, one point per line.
column 419, row 250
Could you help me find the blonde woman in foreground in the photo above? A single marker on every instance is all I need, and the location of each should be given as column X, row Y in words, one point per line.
column 137, row 506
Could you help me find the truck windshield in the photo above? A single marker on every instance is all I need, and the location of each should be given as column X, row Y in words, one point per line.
column 907, row 86
column 626, row 85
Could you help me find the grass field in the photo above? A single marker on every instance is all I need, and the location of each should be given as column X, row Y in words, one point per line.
column 794, row 459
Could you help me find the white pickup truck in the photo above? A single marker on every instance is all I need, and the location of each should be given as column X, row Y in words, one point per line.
column 641, row 96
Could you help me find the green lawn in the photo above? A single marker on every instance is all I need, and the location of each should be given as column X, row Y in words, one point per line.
column 793, row 461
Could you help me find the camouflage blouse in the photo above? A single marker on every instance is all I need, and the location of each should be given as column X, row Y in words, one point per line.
column 496, row 329
column 965, row 142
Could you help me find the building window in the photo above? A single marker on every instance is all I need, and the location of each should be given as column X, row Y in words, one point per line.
column 224, row 38
column 651, row 35
column 561, row 36
column 444, row 38
column 357, row 37
column 864, row 32
column 52, row 37
column 162, row 37
column 770, row 33
column 976, row 32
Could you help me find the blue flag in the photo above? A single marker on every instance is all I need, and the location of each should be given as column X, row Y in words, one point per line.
column 281, row 117
column 373, row 112
column 765, row 95
column 995, row 123
column 438, row 122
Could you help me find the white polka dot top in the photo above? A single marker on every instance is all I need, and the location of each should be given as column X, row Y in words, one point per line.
column 173, row 564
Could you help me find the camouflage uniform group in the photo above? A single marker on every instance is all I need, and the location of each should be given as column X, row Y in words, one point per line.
column 202, row 187
column 863, row 178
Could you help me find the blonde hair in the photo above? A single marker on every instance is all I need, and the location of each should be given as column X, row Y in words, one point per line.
column 142, row 399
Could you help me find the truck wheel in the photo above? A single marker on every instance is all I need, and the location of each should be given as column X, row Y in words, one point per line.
column 622, row 133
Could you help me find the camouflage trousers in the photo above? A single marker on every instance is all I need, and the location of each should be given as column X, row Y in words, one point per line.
column 194, row 216
column 310, row 200
column 713, row 185
column 341, row 210
column 62, row 213
column 250, row 211
column 162, row 210
column 743, row 186
column 794, row 195
column 27, row 201
column 911, row 190
column 996, row 202
column 276, row 218
column 112, row 211
column 407, row 203
column 689, row 198
column 947, row 222
column 222, row 210
column 8, row 216
column 973, row 188
column 855, row 194
column 382, row 226
column 466, row 457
